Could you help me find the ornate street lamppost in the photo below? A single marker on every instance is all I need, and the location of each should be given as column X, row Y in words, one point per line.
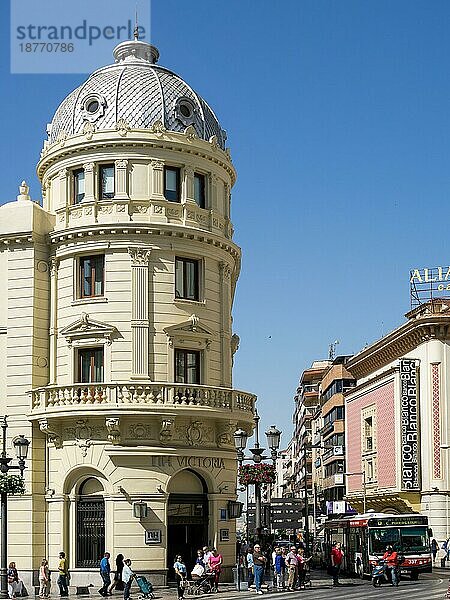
column 20, row 444
column 273, row 441
column 257, row 456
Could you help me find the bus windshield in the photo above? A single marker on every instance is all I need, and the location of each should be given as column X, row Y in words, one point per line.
column 403, row 539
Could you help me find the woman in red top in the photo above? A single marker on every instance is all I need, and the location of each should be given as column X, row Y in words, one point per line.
column 215, row 562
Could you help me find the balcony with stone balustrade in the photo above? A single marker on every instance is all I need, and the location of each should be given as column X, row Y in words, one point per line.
column 145, row 398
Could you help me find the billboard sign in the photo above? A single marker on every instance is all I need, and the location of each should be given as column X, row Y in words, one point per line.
column 409, row 410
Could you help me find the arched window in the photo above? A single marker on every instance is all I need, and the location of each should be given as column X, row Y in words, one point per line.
column 90, row 523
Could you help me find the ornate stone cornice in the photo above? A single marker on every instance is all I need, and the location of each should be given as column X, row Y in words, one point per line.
column 374, row 382
column 78, row 234
column 171, row 140
column 399, row 342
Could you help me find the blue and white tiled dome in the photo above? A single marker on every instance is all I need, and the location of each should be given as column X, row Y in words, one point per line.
column 138, row 91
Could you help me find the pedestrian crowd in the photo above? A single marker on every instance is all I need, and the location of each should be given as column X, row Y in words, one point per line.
column 288, row 566
column 206, row 570
column 123, row 577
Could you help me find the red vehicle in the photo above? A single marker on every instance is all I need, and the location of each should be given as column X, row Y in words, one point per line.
column 364, row 539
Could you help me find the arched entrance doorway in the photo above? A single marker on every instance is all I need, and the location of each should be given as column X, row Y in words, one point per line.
column 90, row 523
column 188, row 518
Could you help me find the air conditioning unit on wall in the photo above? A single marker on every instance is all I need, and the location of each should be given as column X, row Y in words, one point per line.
column 338, row 450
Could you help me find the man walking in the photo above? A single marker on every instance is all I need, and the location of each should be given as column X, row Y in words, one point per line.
column 63, row 575
column 105, row 574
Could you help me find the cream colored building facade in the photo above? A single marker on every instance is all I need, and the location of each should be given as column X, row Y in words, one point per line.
column 116, row 328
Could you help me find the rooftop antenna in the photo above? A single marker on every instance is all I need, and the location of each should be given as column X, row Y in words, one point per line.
column 136, row 26
column 332, row 350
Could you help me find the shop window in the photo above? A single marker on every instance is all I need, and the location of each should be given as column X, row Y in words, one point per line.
column 91, row 276
column 90, row 365
column 199, row 190
column 172, row 184
column 106, row 181
column 187, row 366
column 186, row 279
column 78, row 186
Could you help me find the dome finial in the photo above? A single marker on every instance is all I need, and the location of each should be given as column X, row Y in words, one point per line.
column 136, row 50
column 136, row 26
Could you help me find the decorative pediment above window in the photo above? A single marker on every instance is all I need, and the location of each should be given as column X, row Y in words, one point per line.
column 86, row 329
column 190, row 331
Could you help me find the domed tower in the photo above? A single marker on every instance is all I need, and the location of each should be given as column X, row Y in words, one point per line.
column 127, row 276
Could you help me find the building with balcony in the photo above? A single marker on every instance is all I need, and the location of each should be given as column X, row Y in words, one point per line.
column 116, row 330
column 335, row 382
column 284, row 473
column 306, row 402
column 398, row 419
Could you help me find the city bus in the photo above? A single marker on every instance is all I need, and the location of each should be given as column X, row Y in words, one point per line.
column 364, row 539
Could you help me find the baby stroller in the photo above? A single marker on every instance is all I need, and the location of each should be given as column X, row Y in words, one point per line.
column 146, row 588
column 200, row 584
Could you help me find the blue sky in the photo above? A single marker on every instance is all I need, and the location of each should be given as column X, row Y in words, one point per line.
column 338, row 121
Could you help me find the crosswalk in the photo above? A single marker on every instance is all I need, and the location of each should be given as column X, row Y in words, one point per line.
column 428, row 587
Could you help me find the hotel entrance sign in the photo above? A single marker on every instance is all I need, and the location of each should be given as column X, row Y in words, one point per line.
column 153, row 536
column 426, row 284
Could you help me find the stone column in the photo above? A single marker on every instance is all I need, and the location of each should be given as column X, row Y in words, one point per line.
column 225, row 331
column 189, row 175
column 121, row 180
column 158, row 179
column 214, row 186
column 139, row 312
column 226, row 201
column 89, row 184
column 53, row 333
column 63, row 188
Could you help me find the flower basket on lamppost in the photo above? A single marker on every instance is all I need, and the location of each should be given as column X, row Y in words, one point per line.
column 12, row 485
column 258, row 473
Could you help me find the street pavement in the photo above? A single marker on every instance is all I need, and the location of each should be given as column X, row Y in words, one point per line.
column 430, row 586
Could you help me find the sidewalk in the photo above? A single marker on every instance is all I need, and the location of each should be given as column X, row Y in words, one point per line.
column 319, row 579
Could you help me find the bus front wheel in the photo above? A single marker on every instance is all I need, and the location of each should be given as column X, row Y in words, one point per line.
column 414, row 575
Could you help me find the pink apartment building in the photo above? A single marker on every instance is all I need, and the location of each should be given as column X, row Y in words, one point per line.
column 398, row 417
